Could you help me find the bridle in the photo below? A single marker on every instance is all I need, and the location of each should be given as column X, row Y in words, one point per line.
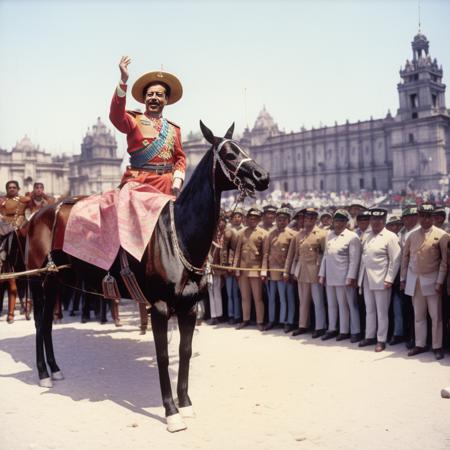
column 233, row 176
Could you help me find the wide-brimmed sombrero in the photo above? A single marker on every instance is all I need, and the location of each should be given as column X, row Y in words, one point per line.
column 176, row 90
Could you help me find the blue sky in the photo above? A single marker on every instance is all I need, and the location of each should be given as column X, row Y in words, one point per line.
column 309, row 62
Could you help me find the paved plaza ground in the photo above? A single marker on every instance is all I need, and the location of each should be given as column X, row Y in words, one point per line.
column 250, row 391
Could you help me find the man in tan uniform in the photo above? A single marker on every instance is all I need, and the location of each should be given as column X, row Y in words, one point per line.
column 303, row 262
column 268, row 217
column 230, row 238
column 423, row 270
column 249, row 254
column 276, row 248
column 12, row 208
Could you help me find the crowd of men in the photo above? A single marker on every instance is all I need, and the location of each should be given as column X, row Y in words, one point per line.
column 348, row 273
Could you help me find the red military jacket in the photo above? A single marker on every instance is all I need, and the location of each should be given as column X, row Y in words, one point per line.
column 139, row 128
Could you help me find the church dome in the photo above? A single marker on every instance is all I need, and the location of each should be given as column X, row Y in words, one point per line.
column 264, row 121
column 24, row 144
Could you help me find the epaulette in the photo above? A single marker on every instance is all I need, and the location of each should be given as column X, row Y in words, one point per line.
column 173, row 123
column 135, row 112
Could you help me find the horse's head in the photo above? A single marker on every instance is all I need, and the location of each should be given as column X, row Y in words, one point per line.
column 236, row 169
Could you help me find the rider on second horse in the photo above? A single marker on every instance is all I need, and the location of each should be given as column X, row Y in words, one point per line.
column 154, row 144
column 12, row 208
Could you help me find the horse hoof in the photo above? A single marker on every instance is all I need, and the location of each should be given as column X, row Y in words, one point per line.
column 175, row 423
column 187, row 412
column 57, row 375
column 46, row 382
column 143, row 331
column 445, row 393
column 117, row 323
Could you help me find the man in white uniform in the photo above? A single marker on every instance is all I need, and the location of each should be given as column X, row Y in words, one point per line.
column 380, row 262
column 338, row 272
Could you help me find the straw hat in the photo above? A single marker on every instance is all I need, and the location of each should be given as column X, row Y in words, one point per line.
column 176, row 90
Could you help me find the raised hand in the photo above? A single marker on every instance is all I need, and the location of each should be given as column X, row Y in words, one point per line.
column 123, row 66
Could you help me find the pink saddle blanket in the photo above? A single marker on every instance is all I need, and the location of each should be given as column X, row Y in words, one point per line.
column 100, row 224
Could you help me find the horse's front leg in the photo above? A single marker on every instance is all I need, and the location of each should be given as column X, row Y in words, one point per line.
column 159, row 327
column 186, row 323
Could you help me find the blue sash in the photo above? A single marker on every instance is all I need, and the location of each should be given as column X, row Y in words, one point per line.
column 145, row 154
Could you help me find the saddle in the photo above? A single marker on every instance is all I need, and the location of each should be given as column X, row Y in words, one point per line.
column 46, row 231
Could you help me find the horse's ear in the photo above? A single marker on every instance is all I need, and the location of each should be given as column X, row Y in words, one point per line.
column 229, row 133
column 207, row 133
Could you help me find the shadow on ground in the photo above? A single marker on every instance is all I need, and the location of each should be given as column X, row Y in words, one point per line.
column 97, row 367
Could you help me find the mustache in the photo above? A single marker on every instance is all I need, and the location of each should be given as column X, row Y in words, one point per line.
column 153, row 102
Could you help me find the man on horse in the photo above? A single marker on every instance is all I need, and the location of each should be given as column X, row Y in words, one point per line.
column 38, row 199
column 154, row 144
column 12, row 209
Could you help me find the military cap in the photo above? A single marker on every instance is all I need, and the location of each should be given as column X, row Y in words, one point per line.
column 254, row 212
column 269, row 208
column 393, row 219
column 357, row 205
column 440, row 211
column 378, row 212
column 299, row 211
column 363, row 215
column 409, row 211
column 237, row 211
column 286, row 205
column 311, row 212
column 325, row 213
column 285, row 211
column 341, row 214
column 425, row 208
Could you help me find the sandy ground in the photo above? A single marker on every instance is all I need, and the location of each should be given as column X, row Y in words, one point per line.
column 250, row 391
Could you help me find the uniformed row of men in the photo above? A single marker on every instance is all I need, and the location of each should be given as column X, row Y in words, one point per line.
column 351, row 255
column 14, row 209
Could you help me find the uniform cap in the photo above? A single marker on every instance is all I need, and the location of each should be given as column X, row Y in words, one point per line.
column 254, row 212
column 393, row 219
column 325, row 213
column 311, row 212
column 409, row 211
column 425, row 208
column 378, row 212
column 285, row 211
column 357, row 205
column 341, row 214
column 299, row 211
column 364, row 215
column 238, row 211
column 269, row 208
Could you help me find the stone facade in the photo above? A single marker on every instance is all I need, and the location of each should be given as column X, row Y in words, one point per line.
column 27, row 164
column 410, row 151
column 96, row 169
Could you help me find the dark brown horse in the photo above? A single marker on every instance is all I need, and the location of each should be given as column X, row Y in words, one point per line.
column 170, row 273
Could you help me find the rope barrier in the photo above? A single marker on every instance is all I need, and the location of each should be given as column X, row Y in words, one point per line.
column 26, row 273
column 231, row 268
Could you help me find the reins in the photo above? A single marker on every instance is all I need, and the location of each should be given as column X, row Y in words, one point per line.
column 232, row 176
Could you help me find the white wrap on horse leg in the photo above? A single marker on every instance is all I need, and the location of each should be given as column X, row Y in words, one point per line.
column 46, row 382
column 57, row 375
column 175, row 423
column 187, row 412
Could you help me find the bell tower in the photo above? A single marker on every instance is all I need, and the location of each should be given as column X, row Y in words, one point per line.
column 421, row 91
